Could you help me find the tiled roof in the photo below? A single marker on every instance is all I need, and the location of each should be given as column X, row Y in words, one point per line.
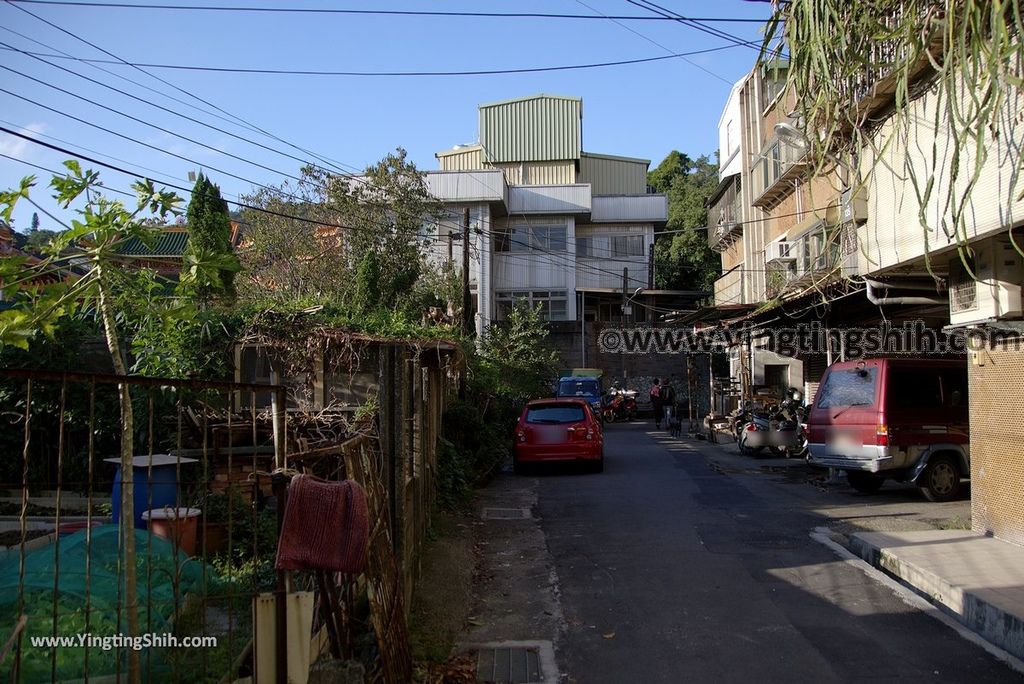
column 170, row 243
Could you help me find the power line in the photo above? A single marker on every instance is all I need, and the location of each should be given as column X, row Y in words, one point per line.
column 110, row 72
column 168, row 83
column 145, row 123
column 392, row 13
column 127, row 137
column 696, row 23
column 145, row 101
column 173, row 186
column 654, row 42
column 382, row 74
column 675, row 16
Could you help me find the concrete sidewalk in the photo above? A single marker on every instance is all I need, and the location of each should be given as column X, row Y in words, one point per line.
column 979, row 580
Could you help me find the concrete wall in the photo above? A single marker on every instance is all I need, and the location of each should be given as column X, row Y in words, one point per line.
column 634, row 371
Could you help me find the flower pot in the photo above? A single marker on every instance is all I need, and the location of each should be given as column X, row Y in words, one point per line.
column 213, row 537
column 177, row 525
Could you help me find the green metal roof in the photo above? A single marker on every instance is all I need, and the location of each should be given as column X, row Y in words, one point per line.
column 168, row 244
column 538, row 128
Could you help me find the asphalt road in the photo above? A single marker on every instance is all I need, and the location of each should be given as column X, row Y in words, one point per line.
column 669, row 571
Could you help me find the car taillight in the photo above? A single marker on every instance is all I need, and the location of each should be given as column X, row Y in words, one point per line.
column 882, row 435
column 522, row 435
column 590, row 433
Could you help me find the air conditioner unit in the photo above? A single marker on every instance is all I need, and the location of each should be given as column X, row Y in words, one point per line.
column 780, row 251
column 995, row 291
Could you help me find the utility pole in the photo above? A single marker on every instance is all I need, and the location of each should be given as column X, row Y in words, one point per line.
column 466, row 301
column 650, row 267
column 625, row 288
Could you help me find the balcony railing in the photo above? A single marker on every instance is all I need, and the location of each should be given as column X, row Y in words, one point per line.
column 773, row 172
column 814, row 257
column 729, row 288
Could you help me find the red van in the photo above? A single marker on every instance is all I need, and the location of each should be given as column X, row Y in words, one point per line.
column 894, row 418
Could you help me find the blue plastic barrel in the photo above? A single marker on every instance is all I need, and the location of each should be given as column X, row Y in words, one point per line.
column 160, row 491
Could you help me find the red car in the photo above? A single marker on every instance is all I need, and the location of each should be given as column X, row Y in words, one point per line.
column 560, row 429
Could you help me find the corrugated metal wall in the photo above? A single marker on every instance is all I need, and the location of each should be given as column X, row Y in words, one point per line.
column 538, row 173
column 467, row 159
column 552, row 199
column 997, row 461
column 629, row 208
column 543, row 128
column 609, row 176
column 893, row 233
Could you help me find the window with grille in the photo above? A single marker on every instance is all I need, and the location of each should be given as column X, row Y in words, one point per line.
column 551, row 305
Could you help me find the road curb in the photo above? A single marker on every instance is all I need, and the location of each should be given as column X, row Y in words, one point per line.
column 911, row 595
column 992, row 622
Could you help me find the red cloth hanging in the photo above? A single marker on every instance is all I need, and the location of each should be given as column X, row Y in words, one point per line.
column 326, row 526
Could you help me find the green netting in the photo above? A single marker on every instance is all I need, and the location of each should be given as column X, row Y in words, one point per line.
column 94, row 570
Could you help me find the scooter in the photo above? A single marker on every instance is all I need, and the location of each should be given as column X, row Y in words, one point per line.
column 793, row 428
column 619, row 405
column 776, row 427
column 611, row 409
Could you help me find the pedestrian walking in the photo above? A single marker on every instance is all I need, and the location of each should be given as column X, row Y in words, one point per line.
column 656, row 403
column 668, row 403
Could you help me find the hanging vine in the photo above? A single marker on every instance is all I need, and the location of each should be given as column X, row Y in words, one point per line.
column 854, row 66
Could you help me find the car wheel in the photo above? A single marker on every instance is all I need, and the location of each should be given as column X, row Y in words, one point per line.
column 941, row 479
column 596, row 466
column 866, row 483
column 518, row 467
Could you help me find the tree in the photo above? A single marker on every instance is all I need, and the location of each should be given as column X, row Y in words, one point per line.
column 349, row 242
column 683, row 260
column 45, row 294
column 209, row 235
column 34, row 226
column 514, row 361
column 37, row 240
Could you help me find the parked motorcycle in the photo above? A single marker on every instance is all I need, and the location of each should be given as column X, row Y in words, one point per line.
column 778, row 427
column 619, row 405
column 792, row 425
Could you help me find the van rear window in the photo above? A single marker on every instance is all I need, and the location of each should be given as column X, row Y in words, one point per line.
column 555, row 413
column 853, row 387
column 579, row 388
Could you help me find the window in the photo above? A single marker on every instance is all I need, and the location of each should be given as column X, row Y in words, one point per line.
column 954, row 388
column 627, row 245
column 519, row 239
column 549, row 238
column 579, row 388
column 554, row 414
column 552, row 305
column 611, row 246
column 523, row 238
column 855, row 387
column 912, row 390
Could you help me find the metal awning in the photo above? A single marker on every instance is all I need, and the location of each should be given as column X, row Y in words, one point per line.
column 713, row 313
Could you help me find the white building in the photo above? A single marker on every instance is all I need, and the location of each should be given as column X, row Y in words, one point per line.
column 565, row 230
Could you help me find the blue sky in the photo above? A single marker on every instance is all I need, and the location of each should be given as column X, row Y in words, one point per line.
column 642, row 110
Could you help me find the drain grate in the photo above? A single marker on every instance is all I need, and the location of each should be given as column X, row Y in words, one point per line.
column 505, row 513
column 509, row 665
